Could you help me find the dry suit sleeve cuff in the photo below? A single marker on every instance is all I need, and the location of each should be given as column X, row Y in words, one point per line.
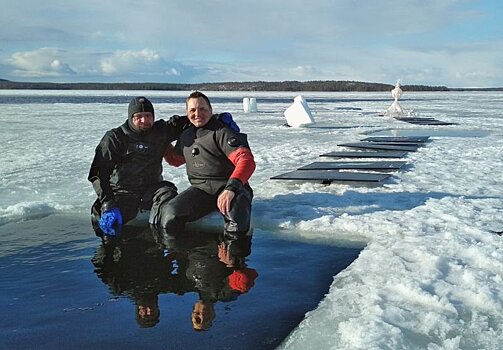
column 234, row 185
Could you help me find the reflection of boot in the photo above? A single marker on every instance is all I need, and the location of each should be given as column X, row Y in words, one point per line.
column 109, row 240
column 238, row 244
column 164, row 237
column 105, row 254
column 99, row 257
column 236, row 235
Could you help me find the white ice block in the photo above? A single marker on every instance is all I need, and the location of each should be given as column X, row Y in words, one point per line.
column 246, row 105
column 253, row 104
column 299, row 114
column 300, row 99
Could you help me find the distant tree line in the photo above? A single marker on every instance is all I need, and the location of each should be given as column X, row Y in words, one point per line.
column 315, row 85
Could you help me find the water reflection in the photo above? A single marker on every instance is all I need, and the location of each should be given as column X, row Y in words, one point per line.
column 219, row 273
column 142, row 264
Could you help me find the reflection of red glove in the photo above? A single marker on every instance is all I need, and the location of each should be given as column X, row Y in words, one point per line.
column 242, row 280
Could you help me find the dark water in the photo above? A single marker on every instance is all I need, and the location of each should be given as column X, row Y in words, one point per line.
column 61, row 288
column 124, row 100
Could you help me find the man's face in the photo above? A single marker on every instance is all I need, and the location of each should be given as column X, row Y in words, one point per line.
column 143, row 120
column 198, row 111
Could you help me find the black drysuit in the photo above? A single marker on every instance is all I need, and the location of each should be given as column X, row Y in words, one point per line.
column 126, row 171
column 206, row 151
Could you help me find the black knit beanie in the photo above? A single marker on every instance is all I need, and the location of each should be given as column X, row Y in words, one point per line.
column 139, row 104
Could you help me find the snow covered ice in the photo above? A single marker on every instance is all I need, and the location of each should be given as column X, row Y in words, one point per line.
column 430, row 275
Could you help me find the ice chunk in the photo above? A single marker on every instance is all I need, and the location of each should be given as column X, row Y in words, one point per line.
column 249, row 104
column 299, row 113
column 253, row 104
column 246, row 104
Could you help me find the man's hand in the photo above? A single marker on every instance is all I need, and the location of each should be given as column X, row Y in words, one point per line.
column 224, row 201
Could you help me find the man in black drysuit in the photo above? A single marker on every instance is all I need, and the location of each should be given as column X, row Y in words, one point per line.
column 126, row 171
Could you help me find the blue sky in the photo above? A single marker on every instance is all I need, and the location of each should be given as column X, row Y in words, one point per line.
column 456, row 43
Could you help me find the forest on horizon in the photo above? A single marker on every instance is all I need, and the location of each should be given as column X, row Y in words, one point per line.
column 293, row 85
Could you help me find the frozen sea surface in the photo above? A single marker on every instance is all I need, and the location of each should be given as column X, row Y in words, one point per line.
column 430, row 272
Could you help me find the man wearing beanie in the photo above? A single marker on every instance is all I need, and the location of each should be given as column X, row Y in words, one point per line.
column 126, row 171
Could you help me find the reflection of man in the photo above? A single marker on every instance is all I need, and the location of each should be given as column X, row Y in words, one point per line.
column 219, row 164
column 140, row 268
column 218, row 275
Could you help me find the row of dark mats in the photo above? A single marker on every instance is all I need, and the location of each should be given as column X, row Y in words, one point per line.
column 385, row 153
column 423, row 121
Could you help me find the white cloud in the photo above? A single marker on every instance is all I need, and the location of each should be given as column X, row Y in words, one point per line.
column 173, row 72
column 304, row 71
column 39, row 63
column 139, row 62
column 123, row 65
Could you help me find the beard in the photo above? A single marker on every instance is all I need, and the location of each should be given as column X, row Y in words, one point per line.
column 144, row 126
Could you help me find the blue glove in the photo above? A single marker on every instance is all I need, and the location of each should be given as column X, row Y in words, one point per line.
column 111, row 221
column 226, row 118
